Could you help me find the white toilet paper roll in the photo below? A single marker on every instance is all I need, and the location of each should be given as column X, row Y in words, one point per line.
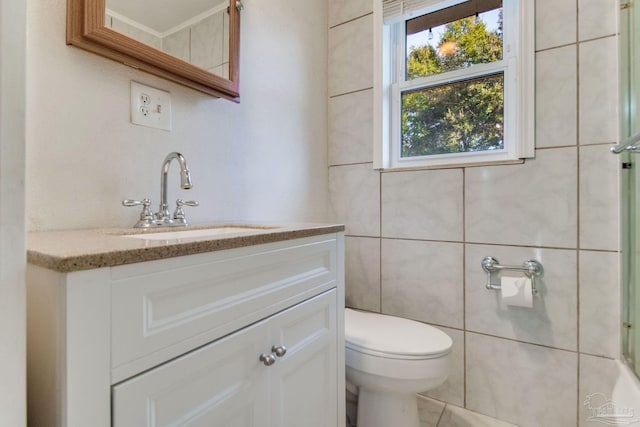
column 516, row 291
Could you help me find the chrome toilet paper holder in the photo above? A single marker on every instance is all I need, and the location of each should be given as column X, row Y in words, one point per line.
column 531, row 268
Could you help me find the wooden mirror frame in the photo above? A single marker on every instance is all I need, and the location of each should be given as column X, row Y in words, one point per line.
column 86, row 29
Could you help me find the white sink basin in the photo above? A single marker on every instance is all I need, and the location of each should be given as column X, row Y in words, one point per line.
column 194, row 234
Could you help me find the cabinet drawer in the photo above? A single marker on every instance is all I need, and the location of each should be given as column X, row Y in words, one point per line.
column 162, row 309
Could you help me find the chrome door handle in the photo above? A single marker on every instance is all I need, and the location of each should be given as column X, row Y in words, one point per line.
column 279, row 350
column 629, row 144
column 267, row 359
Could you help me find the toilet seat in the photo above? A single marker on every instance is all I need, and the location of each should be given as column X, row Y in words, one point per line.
column 393, row 337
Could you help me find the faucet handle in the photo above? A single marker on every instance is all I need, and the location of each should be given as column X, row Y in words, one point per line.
column 178, row 214
column 191, row 203
column 146, row 216
column 130, row 202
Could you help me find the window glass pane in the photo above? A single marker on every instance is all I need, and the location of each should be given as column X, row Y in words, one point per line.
column 454, row 38
column 459, row 117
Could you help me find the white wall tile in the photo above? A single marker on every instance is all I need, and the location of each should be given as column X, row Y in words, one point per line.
column 354, row 198
column 556, row 22
column 221, row 70
column 524, row 206
column 525, row 384
column 362, row 282
column 598, row 72
column 599, row 198
column 341, row 11
column 135, row 33
column 556, row 97
column 351, row 56
column 531, row 204
column 452, row 391
column 351, row 128
column 207, row 41
column 177, row 44
column 599, row 303
column 553, row 318
column 597, row 18
column 423, row 204
column 423, row 281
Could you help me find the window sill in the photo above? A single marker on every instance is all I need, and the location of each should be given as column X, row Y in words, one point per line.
column 452, row 166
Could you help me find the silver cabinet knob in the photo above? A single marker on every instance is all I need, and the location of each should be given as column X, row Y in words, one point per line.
column 267, row 359
column 279, row 350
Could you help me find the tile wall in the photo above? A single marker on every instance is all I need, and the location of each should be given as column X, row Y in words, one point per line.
column 133, row 31
column 415, row 239
column 204, row 43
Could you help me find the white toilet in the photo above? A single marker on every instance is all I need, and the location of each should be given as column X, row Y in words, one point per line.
column 390, row 359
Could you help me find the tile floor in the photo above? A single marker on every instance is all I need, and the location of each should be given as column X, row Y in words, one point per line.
column 434, row 413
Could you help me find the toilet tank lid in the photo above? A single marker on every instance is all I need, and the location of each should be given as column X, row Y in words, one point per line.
column 393, row 335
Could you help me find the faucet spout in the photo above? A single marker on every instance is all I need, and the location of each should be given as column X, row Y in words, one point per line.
column 185, row 183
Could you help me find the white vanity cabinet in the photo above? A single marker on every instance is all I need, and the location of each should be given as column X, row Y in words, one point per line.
column 178, row 341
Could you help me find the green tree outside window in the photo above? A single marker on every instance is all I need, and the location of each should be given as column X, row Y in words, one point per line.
column 463, row 116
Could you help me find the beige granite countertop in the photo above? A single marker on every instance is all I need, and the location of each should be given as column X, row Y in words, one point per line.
column 74, row 250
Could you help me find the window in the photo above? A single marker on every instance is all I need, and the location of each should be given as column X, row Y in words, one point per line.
column 454, row 82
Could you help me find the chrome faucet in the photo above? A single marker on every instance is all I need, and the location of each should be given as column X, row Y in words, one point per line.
column 185, row 183
column 163, row 218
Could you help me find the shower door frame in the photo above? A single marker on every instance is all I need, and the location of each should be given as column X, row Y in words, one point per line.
column 630, row 182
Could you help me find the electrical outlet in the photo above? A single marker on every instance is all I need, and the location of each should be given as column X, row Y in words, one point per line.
column 150, row 107
column 145, row 99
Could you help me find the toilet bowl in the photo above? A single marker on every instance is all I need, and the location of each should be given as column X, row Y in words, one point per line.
column 390, row 359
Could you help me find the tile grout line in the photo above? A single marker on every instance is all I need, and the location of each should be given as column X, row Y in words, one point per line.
column 509, row 245
column 560, row 46
column 464, row 288
column 351, row 20
column 338, row 95
column 444, row 408
column 577, row 286
column 547, row 346
column 350, row 164
column 380, row 237
column 595, row 144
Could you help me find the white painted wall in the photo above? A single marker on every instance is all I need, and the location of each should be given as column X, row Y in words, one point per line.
column 12, row 241
column 264, row 159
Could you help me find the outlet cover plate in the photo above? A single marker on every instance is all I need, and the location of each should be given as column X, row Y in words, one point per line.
column 150, row 107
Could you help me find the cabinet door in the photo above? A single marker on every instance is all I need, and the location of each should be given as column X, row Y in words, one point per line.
column 303, row 382
column 221, row 384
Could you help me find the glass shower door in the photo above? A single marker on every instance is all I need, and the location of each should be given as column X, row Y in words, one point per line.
column 630, row 271
column 630, row 126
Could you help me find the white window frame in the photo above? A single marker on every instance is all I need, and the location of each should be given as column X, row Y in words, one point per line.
column 518, row 66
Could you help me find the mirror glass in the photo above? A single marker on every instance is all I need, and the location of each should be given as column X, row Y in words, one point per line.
column 196, row 31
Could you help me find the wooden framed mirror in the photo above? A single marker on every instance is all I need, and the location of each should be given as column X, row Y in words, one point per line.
column 190, row 50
